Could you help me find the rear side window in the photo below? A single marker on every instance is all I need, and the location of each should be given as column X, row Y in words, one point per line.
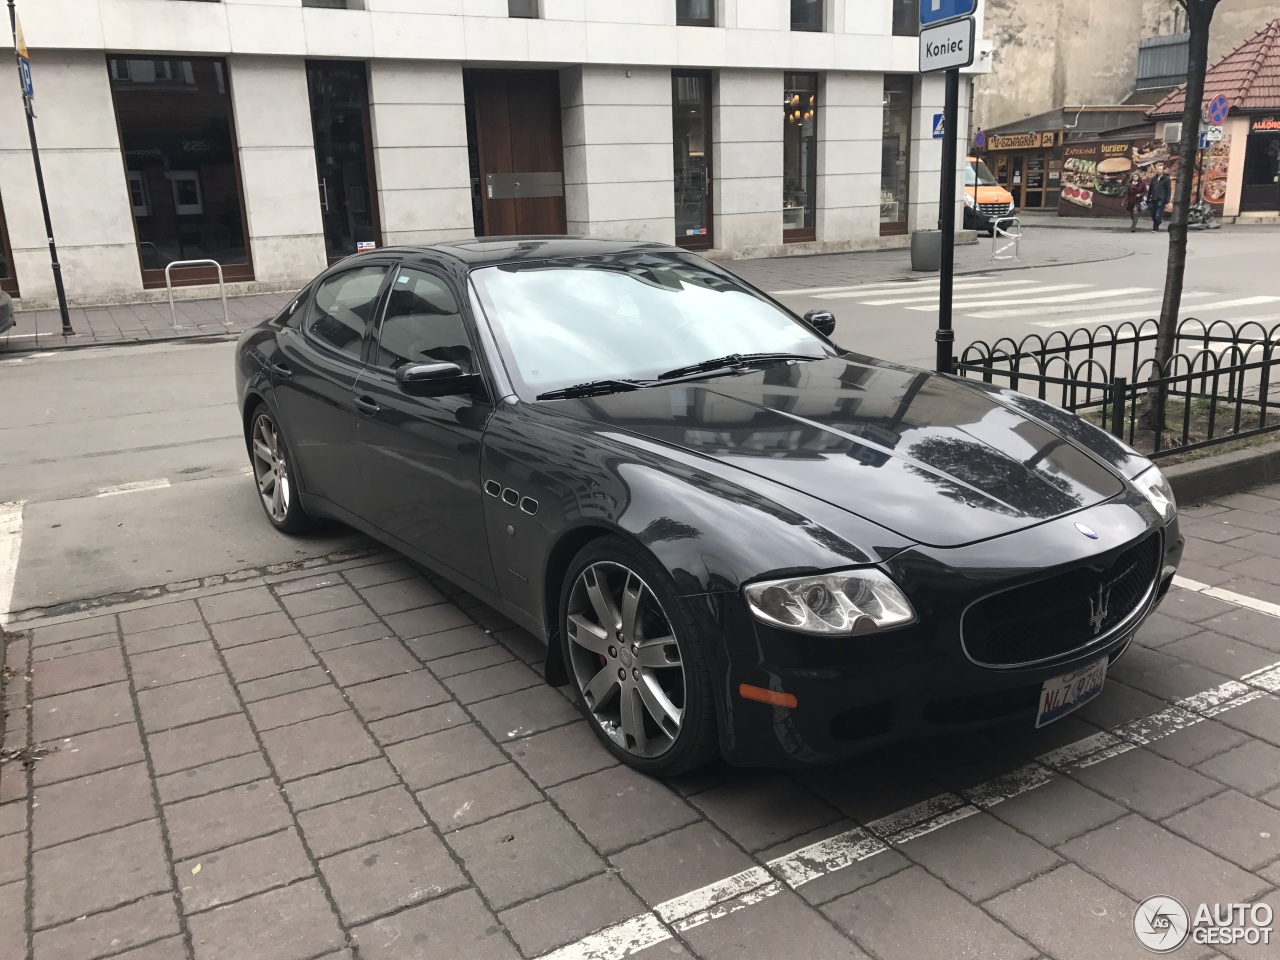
column 343, row 308
column 423, row 324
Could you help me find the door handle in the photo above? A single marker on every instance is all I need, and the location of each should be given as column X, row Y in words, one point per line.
column 367, row 406
column 282, row 370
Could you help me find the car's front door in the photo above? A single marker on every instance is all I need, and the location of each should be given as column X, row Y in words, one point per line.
column 314, row 373
column 423, row 453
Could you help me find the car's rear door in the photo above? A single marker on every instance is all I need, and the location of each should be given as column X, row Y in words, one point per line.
column 313, row 377
column 423, row 453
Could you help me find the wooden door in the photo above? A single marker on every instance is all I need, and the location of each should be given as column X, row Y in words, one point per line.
column 521, row 160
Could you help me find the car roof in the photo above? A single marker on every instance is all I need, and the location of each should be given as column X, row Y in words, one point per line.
column 484, row 251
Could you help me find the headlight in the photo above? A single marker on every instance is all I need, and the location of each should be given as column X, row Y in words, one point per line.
column 1156, row 489
column 1011, row 207
column 850, row 603
column 970, row 202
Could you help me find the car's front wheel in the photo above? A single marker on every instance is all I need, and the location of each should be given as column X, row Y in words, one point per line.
column 273, row 474
column 636, row 656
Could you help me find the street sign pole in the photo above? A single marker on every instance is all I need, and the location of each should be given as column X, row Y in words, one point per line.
column 24, row 77
column 945, row 337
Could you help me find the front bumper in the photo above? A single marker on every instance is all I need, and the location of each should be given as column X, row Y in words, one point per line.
column 855, row 694
column 983, row 222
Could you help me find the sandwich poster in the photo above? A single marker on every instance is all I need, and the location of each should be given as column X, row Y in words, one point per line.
column 1095, row 174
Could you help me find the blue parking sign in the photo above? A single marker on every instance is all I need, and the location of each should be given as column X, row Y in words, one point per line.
column 937, row 11
column 24, row 68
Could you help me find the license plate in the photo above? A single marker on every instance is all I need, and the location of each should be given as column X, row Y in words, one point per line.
column 1073, row 690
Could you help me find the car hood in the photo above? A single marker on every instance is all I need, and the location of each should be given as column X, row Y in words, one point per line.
column 922, row 455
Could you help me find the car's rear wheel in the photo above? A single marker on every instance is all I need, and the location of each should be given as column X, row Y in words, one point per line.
column 273, row 474
column 636, row 657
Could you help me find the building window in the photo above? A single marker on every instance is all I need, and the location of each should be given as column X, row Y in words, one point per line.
column 329, row 4
column 906, row 18
column 178, row 140
column 799, row 156
column 806, row 15
column 527, row 9
column 339, row 95
column 895, row 149
column 696, row 13
column 8, row 283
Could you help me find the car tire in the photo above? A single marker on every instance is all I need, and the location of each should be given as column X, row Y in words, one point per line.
column 656, row 666
column 272, row 466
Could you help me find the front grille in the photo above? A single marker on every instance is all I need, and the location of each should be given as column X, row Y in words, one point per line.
column 1053, row 617
column 994, row 209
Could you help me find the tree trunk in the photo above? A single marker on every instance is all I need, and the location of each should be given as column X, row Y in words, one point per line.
column 1199, row 17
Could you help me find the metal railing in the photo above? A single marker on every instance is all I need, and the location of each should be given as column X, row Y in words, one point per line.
column 168, row 285
column 999, row 233
column 1218, row 382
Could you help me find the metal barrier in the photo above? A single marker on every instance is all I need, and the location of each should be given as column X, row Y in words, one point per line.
column 168, row 285
column 998, row 231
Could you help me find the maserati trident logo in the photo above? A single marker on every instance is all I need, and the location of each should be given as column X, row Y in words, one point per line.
column 1098, row 607
column 1087, row 531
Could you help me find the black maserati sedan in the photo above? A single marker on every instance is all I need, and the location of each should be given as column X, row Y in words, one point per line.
column 735, row 536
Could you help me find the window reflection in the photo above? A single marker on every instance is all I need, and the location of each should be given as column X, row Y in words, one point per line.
column 696, row 13
column 895, row 149
column 179, row 150
column 799, row 155
column 806, row 15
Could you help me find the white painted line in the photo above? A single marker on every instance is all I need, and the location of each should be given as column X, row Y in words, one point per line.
column 134, row 487
column 919, row 288
column 1139, row 315
column 979, row 296
column 1227, row 596
column 825, row 857
column 896, row 284
column 1063, row 298
column 10, row 545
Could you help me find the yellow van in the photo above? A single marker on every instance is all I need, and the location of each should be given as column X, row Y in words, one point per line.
column 984, row 199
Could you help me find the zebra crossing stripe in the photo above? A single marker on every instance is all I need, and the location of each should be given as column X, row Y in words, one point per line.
column 1149, row 313
column 1066, row 297
column 976, row 293
column 1155, row 298
column 930, row 283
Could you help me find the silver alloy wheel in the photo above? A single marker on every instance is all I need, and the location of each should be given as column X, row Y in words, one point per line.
column 270, row 469
column 626, row 659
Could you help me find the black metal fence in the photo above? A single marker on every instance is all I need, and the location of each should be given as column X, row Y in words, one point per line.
column 1218, row 380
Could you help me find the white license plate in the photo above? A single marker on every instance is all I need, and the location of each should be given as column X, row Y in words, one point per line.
column 1066, row 693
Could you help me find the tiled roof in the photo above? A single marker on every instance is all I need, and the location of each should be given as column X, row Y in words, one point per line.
column 1248, row 76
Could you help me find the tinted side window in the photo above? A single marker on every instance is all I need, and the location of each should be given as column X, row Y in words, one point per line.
column 423, row 324
column 343, row 306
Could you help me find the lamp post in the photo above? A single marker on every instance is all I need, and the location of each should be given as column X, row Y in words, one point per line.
column 24, row 77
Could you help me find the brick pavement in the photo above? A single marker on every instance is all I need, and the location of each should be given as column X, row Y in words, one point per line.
column 145, row 322
column 355, row 761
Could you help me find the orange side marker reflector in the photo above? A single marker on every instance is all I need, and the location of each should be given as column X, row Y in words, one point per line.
column 775, row 697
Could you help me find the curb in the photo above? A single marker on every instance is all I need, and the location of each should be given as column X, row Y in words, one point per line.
column 16, row 350
column 1202, row 480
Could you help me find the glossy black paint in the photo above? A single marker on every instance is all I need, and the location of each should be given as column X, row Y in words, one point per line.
column 954, row 488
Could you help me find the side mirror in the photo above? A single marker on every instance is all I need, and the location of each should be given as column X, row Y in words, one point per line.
column 824, row 321
column 434, row 379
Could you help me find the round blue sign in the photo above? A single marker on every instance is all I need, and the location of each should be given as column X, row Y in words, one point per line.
column 1219, row 107
column 979, row 139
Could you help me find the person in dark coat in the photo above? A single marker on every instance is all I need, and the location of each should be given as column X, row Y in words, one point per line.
column 1133, row 195
column 1159, row 192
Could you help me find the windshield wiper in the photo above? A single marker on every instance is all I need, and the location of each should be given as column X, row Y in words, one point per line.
column 733, row 361
column 594, row 388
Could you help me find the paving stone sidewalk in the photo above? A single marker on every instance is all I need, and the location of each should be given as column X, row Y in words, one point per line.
column 145, row 322
column 357, row 761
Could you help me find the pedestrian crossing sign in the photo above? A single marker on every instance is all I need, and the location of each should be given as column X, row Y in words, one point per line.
column 939, row 126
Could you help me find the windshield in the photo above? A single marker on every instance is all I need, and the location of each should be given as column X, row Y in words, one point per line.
column 976, row 174
column 627, row 317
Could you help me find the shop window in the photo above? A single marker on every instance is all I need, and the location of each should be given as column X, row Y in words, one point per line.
column 806, row 15
column 696, row 13
column 906, row 18
column 8, row 283
column 178, row 140
column 339, row 96
column 895, row 152
column 525, row 9
column 799, row 156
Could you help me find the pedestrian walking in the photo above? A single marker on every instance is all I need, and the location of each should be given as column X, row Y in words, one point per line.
column 1134, row 194
column 1159, row 191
